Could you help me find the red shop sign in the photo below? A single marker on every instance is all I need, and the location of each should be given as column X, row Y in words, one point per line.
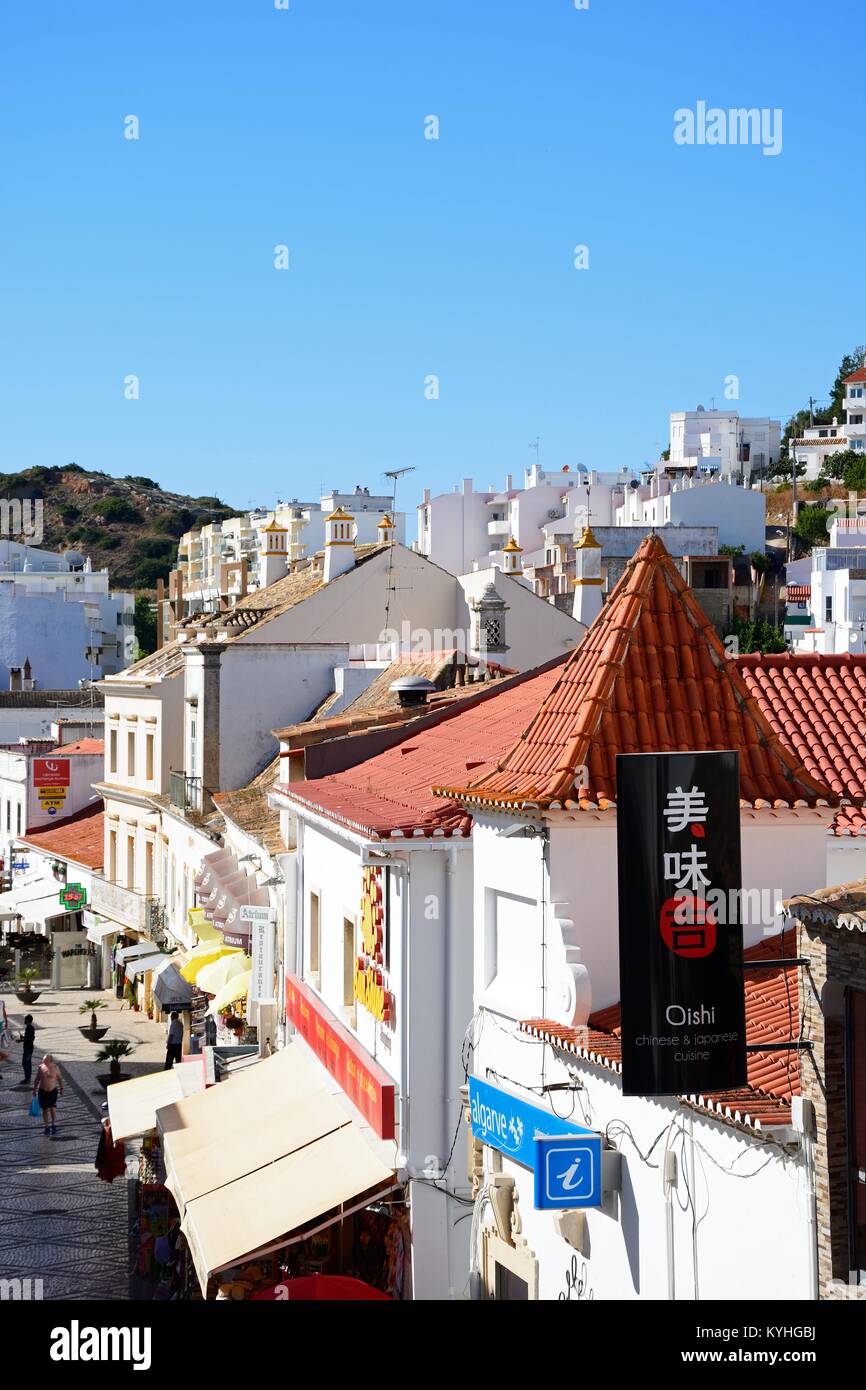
column 368, row 1087
column 51, row 772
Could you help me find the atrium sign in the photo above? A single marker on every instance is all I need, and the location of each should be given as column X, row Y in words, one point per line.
column 680, row 935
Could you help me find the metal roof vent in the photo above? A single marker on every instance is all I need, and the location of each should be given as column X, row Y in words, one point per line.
column 412, row 690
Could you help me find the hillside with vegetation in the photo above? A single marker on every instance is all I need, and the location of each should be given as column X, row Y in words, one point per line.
column 129, row 526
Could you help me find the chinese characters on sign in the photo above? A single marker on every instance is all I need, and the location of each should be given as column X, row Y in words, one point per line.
column 370, row 981
column 681, row 943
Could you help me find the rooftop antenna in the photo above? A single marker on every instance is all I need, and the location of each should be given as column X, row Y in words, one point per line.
column 536, row 445
column 394, row 474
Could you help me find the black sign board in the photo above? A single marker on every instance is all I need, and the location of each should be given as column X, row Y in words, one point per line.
column 680, row 935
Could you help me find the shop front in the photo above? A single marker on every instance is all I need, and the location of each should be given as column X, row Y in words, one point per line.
column 274, row 1180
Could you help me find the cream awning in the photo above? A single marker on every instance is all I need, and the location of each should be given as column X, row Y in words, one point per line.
column 252, row 1160
column 132, row 1105
column 142, row 964
column 102, row 930
column 142, row 948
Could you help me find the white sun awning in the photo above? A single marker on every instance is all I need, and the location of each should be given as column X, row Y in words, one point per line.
column 132, row 1105
column 256, row 1158
column 141, row 948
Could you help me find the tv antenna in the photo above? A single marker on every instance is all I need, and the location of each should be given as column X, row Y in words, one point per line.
column 394, row 474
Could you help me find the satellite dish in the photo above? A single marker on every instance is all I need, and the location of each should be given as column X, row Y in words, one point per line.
column 700, row 408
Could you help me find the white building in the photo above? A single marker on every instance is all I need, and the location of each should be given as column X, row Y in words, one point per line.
column 220, row 562
column 719, row 441
column 41, row 783
column 838, row 591
column 196, row 717
column 377, row 950
column 59, row 619
column 818, row 442
column 464, row 529
column 547, row 978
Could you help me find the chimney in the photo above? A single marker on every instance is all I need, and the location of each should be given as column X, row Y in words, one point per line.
column 273, row 554
column 511, row 562
column 14, row 677
column 339, row 544
column 412, row 691
column 387, row 530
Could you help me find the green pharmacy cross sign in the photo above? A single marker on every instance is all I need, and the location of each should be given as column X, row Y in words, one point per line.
column 73, row 896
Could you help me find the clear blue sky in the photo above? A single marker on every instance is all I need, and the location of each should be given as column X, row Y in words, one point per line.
column 410, row 256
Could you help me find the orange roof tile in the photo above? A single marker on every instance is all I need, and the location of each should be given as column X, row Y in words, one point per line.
column 650, row 676
column 78, row 837
column 817, row 706
column 83, row 745
column 772, row 1015
column 391, row 794
column 859, row 375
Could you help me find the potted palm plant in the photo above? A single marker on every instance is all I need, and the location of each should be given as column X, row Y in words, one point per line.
column 91, row 1032
column 113, row 1052
column 25, row 992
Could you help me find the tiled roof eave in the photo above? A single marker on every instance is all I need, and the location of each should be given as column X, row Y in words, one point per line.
column 746, row 1108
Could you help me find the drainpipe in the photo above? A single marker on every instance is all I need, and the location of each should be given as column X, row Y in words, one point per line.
column 451, row 1051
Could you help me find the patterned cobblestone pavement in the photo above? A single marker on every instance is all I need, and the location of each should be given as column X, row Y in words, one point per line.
column 58, row 1221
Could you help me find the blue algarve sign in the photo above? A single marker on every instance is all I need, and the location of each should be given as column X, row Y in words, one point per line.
column 565, row 1158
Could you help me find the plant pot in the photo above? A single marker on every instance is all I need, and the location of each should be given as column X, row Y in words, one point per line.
column 93, row 1034
column 106, row 1079
column 27, row 996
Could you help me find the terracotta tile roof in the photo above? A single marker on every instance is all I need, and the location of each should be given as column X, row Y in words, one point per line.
column 249, row 810
column 831, row 441
column 843, row 906
column 78, row 837
column 772, row 1015
column 650, row 676
column 817, row 706
column 86, row 746
column 391, row 794
column 59, row 699
column 859, row 375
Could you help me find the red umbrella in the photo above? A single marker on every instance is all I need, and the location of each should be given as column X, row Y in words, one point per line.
column 336, row 1287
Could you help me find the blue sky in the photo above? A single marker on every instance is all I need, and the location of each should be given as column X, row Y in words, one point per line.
column 411, row 257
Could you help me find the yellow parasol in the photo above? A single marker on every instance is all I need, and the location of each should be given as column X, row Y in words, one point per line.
column 211, row 978
column 235, row 989
column 206, row 954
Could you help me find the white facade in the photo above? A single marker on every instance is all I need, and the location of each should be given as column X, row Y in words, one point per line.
column 546, row 911
column 202, row 554
column 465, row 529
column 739, row 513
column 428, row 974
column 838, row 591
column 720, row 441
column 21, row 807
column 60, row 615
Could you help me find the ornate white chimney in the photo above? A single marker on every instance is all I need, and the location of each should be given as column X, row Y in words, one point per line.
column 587, row 578
column 339, row 544
column 273, row 554
column 511, row 561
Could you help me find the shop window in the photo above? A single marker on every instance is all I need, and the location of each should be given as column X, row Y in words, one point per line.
column 348, row 962
column 315, row 957
column 856, row 1073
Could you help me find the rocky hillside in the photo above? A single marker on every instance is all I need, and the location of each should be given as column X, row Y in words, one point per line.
column 129, row 526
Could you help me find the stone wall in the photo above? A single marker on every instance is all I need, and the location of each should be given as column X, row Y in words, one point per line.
column 837, row 960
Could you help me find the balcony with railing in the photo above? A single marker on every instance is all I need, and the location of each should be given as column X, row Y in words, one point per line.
column 184, row 792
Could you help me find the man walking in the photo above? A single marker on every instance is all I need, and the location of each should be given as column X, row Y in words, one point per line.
column 29, row 1040
column 48, row 1083
column 174, row 1045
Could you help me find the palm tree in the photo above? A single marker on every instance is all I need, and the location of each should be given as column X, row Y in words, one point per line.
column 90, row 1006
column 112, row 1052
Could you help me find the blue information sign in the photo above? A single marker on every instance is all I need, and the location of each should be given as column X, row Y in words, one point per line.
column 568, row 1171
column 522, row 1131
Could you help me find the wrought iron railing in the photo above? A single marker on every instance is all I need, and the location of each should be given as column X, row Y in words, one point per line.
column 184, row 792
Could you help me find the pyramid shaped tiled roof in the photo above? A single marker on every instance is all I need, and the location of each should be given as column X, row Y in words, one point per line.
column 650, row 676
